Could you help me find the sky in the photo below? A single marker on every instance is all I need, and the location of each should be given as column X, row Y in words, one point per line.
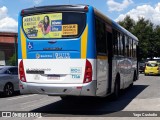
column 114, row 9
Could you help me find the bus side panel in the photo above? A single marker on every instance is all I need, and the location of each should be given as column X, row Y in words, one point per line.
column 91, row 42
column 102, row 75
column 101, row 59
column 91, row 46
column 123, row 67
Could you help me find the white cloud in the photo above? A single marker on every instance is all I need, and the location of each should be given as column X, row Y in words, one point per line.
column 7, row 23
column 3, row 12
column 115, row 6
column 33, row 2
column 157, row 7
column 146, row 11
column 37, row 2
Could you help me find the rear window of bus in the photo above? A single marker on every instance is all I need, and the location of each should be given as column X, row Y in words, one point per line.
column 54, row 25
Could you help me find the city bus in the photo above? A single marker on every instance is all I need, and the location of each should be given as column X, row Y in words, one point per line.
column 74, row 50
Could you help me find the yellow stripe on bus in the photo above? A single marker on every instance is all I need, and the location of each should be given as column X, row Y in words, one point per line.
column 84, row 43
column 23, row 45
column 102, row 57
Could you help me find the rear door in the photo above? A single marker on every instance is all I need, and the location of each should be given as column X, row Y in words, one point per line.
column 53, row 47
column 102, row 58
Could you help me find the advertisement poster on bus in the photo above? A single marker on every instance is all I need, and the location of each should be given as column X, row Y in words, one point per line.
column 47, row 26
column 43, row 25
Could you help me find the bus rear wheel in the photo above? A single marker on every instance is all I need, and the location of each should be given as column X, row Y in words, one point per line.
column 116, row 92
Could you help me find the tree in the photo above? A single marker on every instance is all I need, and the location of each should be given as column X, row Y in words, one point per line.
column 157, row 39
column 144, row 31
column 12, row 60
column 128, row 23
column 148, row 35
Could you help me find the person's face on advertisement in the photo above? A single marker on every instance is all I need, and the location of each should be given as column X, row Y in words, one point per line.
column 45, row 20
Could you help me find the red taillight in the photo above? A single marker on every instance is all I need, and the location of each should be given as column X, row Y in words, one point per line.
column 88, row 72
column 22, row 12
column 86, row 8
column 21, row 86
column 22, row 76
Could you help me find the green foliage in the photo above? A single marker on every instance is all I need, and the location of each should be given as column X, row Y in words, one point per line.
column 128, row 23
column 148, row 35
column 12, row 60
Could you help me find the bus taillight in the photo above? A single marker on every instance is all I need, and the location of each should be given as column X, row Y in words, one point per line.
column 22, row 12
column 86, row 8
column 21, row 72
column 88, row 72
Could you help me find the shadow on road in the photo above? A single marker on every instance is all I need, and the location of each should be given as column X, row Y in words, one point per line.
column 91, row 106
column 17, row 93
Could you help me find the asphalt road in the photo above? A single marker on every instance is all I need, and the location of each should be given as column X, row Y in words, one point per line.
column 143, row 96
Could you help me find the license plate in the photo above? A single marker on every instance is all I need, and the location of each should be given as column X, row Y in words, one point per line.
column 53, row 77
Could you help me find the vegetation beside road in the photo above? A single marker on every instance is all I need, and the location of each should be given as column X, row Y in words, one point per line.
column 148, row 35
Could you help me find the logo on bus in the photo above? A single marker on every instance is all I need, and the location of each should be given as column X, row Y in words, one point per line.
column 56, row 25
column 62, row 55
column 38, row 56
column 43, row 56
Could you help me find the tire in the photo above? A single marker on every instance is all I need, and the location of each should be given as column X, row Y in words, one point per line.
column 135, row 76
column 116, row 92
column 8, row 90
column 67, row 98
column 131, row 85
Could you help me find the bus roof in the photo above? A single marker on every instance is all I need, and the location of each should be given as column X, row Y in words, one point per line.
column 114, row 24
column 54, row 8
column 124, row 30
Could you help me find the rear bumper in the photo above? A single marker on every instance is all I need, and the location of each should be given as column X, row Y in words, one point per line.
column 141, row 70
column 88, row 89
column 152, row 72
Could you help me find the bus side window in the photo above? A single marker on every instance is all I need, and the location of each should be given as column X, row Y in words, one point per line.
column 130, row 47
column 101, row 37
column 134, row 49
column 123, row 44
column 119, row 43
column 126, row 46
column 115, row 42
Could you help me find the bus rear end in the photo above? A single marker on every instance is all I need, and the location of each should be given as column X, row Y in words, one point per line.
column 55, row 56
